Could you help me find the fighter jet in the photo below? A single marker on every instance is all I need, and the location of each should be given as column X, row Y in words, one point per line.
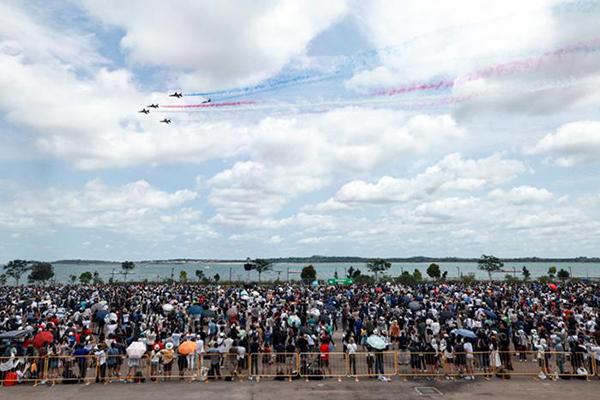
column 145, row 111
column 206, row 101
column 176, row 94
column 166, row 121
column 153, row 106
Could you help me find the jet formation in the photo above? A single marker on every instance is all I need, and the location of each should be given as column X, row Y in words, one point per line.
column 146, row 110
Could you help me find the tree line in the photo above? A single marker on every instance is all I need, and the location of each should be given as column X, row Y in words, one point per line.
column 41, row 272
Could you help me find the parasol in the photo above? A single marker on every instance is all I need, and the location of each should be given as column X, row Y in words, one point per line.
column 232, row 312
column 195, row 309
column 43, row 338
column 187, row 347
column 553, row 287
column 294, row 321
column 208, row 313
column 136, row 349
column 101, row 315
column 314, row 311
column 168, row 307
column 465, row 333
column 413, row 305
column 376, row 342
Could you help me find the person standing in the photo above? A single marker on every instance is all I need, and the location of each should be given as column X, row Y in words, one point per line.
column 351, row 349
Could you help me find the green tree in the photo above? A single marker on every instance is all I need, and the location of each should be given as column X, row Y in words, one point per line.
column 563, row 274
column 73, row 279
column 86, row 277
column 127, row 267
column 200, row 275
column 261, row 266
column 551, row 272
column 308, row 274
column 183, row 276
column 217, row 278
column 3, row 279
column 96, row 279
column 490, row 264
column 444, row 275
column 526, row 274
column 406, row 278
column 353, row 273
column 378, row 265
column 434, row 271
column 16, row 268
column 41, row 272
column 468, row 279
column 417, row 275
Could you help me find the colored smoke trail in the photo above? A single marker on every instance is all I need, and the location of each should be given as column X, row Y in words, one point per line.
column 212, row 105
column 497, row 70
column 347, row 65
column 422, row 102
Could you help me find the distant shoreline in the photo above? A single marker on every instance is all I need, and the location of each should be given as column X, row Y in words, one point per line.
column 334, row 259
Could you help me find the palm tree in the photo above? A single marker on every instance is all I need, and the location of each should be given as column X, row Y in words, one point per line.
column 261, row 266
column 127, row 266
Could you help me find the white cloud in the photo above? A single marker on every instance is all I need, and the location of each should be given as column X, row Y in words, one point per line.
column 218, row 44
column 136, row 208
column 522, row 195
column 453, row 173
column 296, row 156
column 275, row 239
column 573, row 143
column 498, row 54
column 437, row 39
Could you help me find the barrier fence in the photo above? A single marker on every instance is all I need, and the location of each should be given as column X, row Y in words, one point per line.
column 288, row 366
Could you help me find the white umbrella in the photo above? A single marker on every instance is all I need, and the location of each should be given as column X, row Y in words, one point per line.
column 294, row 321
column 315, row 312
column 376, row 342
column 168, row 307
column 136, row 349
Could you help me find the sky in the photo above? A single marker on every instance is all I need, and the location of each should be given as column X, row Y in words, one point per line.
column 367, row 128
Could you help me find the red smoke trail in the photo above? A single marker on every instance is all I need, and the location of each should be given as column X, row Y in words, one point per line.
column 502, row 69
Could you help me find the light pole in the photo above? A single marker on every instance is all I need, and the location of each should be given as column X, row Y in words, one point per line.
column 459, row 273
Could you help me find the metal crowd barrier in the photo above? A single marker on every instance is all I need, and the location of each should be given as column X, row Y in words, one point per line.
column 372, row 364
column 273, row 365
column 51, row 369
column 570, row 364
column 286, row 366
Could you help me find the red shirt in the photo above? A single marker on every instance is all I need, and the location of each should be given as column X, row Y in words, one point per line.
column 324, row 348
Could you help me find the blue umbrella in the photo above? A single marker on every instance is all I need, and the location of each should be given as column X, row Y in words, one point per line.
column 195, row 309
column 208, row 313
column 101, row 314
column 465, row 333
column 490, row 314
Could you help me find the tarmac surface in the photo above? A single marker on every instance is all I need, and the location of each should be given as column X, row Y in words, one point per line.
column 328, row 389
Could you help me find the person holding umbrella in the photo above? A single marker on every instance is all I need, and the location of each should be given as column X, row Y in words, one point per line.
column 187, row 352
column 135, row 352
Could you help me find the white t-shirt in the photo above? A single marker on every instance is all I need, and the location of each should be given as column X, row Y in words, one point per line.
column 351, row 348
column 468, row 349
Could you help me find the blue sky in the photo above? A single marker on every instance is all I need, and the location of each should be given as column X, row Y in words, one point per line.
column 359, row 155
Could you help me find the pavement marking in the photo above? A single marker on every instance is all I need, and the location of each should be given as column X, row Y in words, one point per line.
column 428, row 391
